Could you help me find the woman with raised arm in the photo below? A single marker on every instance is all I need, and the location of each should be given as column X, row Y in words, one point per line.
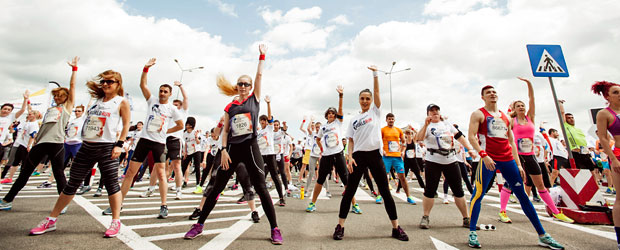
column 522, row 125
column 266, row 145
column 49, row 141
column 364, row 135
column 240, row 146
column 100, row 145
column 329, row 141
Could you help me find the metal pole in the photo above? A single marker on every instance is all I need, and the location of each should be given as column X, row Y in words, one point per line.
column 557, row 107
column 391, row 111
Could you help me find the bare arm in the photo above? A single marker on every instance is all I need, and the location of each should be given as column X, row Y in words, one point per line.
column 185, row 103
column 71, row 98
column 375, row 86
column 145, row 90
column 602, row 122
column 420, row 135
column 177, row 127
column 515, row 154
column 218, row 128
column 301, row 127
column 531, row 112
column 25, row 105
column 474, row 124
column 269, row 116
column 340, row 91
column 259, row 72
column 561, row 105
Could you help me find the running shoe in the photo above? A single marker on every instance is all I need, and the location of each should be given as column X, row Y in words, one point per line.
column 44, row 226
column 64, row 210
column 35, row 173
column 234, row 187
column 504, row 218
column 356, row 209
column 445, row 200
column 563, row 218
column 536, row 199
column 374, row 193
column 466, row 222
column 242, row 200
column 425, row 222
column 184, row 185
column 107, row 211
column 5, row 206
column 113, row 230
column 513, row 198
column 83, row 190
column 198, row 190
column 6, row 181
column 399, row 233
column 98, row 192
column 194, row 232
column 379, row 199
column 338, row 232
column 276, row 236
column 282, row 202
column 547, row 241
column 255, row 217
column 45, row 184
column 311, row 207
column 147, row 193
column 410, row 200
column 179, row 195
column 473, row 240
column 328, row 194
column 163, row 212
column 609, row 191
column 195, row 214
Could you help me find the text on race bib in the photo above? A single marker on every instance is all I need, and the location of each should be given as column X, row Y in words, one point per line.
column 331, row 140
column 393, row 146
column 93, row 127
column 156, row 124
column 410, row 153
column 241, row 124
column 525, row 145
column 263, row 144
column 497, row 128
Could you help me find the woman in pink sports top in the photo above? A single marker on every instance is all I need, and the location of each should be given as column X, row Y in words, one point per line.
column 607, row 119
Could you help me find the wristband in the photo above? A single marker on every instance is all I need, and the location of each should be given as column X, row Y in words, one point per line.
column 119, row 144
column 73, row 68
column 261, row 57
column 374, row 74
column 339, row 116
column 270, row 121
column 145, row 70
column 303, row 121
column 219, row 125
column 482, row 154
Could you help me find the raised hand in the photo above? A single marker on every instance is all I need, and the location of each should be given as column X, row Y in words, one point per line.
column 372, row 68
column 523, row 79
column 73, row 63
column 26, row 94
column 150, row 63
column 177, row 83
column 267, row 99
column 340, row 89
column 262, row 48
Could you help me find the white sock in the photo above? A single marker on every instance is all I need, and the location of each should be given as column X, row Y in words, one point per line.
column 151, row 188
column 51, row 218
column 179, row 189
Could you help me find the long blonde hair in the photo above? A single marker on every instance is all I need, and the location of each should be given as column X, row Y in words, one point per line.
column 94, row 88
column 513, row 107
column 226, row 87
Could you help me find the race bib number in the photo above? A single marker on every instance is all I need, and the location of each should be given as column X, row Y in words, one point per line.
column 393, row 146
column 331, row 140
column 93, row 129
column 52, row 114
column 496, row 127
column 263, row 144
column 156, row 124
column 213, row 150
column 241, row 124
column 410, row 153
column 445, row 141
column 72, row 131
column 525, row 145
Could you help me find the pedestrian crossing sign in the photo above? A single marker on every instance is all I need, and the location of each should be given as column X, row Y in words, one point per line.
column 547, row 60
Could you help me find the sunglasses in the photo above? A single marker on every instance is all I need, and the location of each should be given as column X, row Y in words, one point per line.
column 108, row 82
column 244, row 84
column 163, row 91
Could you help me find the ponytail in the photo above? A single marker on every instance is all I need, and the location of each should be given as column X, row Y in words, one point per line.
column 225, row 86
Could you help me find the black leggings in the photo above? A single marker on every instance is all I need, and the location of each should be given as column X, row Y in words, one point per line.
column 89, row 154
column 197, row 158
column 20, row 154
column 209, row 166
column 272, row 168
column 56, row 153
column 452, row 176
column 246, row 152
column 410, row 164
column 282, row 171
column 372, row 161
column 327, row 163
column 463, row 169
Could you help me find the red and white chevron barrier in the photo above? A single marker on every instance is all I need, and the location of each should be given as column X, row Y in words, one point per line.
column 579, row 187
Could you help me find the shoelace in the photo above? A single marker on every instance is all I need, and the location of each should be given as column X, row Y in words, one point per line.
column 44, row 223
column 115, row 226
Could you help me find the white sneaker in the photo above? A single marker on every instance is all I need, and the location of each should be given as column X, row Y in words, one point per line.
column 446, row 201
column 179, row 195
column 147, row 193
column 292, row 187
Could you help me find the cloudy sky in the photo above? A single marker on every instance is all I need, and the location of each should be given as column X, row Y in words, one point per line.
column 453, row 47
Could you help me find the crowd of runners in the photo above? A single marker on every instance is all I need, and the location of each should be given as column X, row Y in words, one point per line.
column 505, row 150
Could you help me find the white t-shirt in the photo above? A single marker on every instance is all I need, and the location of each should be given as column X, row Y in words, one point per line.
column 25, row 131
column 365, row 129
column 315, row 150
column 420, row 151
column 460, row 150
column 331, row 137
column 5, row 123
column 278, row 138
column 539, row 147
column 440, row 135
column 297, row 151
column 265, row 140
column 214, row 145
column 74, row 130
column 157, row 120
column 183, row 115
column 203, row 143
column 192, row 145
column 309, row 140
column 286, row 145
column 135, row 135
column 558, row 148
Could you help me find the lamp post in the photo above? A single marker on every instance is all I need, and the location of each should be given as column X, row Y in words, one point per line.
column 390, row 74
column 183, row 71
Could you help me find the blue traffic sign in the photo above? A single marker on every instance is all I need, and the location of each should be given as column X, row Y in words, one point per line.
column 547, row 60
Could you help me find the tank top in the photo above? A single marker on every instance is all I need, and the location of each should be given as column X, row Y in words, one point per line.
column 493, row 136
column 614, row 128
column 410, row 150
column 524, row 136
column 102, row 120
column 243, row 119
column 53, row 126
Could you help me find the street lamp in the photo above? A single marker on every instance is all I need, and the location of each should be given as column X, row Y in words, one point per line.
column 390, row 73
column 183, row 71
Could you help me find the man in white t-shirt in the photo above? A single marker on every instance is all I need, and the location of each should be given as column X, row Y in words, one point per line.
column 160, row 113
column 6, row 119
column 560, row 155
column 174, row 143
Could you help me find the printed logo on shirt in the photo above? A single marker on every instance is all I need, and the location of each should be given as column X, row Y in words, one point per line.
column 525, row 145
column 361, row 122
column 497, row 128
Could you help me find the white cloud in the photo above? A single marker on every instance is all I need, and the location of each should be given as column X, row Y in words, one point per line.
column 223, row 7
column 448, row 7
column 341, row 20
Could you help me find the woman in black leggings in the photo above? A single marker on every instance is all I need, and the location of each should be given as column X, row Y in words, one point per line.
column 364, row 143
column 191, row 151
column 239, row 145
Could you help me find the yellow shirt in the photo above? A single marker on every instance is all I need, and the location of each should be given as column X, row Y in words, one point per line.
column 391, row 140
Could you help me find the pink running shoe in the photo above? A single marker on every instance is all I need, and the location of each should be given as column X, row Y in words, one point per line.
column 44, row 226
column 113, row 230
column 6, row 181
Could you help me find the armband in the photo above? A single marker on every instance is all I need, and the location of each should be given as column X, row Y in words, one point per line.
column 119, row 144
column 339, row 116
column 458, row 135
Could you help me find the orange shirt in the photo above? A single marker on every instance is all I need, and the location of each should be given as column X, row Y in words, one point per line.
column 391, row 140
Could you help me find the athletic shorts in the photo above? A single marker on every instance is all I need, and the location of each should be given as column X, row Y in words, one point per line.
column 584, row 161
column 173, row 146
column 396, row 162
column 559, row 162
column 605, row 165
column 306, row 159
column 145, row 146
column 287, row 159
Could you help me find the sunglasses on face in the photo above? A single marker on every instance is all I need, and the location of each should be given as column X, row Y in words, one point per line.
column 244, row 84
column 163, row 91
column 365, row 98
column 108, row 82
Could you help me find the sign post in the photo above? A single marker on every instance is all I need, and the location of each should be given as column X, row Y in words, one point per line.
column 548, row 61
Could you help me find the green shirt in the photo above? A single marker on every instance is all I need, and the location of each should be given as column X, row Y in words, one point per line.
column 576, row 137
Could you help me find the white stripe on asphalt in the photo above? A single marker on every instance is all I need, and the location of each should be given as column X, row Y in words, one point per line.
column 440, row 245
